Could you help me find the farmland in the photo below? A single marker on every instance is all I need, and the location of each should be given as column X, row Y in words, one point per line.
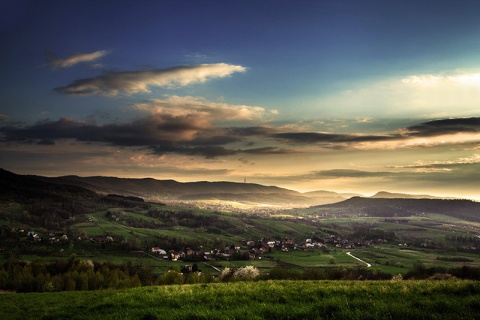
column 44, row 220
column 429, row 239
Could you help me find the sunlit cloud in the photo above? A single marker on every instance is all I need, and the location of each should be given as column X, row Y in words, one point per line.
column 131, row 82
column 474, row 159
column 418, row 96
column 175, row 125
column 464, row 79
column 422, row 80
column 198, row 107
column 56, row 62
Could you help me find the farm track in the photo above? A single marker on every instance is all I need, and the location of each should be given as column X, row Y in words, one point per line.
column 368, row 264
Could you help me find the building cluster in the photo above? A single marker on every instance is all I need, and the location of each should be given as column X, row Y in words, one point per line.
column 255, row 249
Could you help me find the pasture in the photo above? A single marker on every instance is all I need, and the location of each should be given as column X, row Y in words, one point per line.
column 257, row 300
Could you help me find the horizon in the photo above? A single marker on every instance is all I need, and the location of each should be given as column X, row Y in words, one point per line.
column 476, row 199
column 343, row 96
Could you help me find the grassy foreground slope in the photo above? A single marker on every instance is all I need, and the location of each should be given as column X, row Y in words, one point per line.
column 257, row 300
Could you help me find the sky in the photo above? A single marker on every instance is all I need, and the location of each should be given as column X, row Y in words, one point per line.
column 346, row 96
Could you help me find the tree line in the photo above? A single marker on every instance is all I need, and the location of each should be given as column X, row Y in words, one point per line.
column 70, row 275
column 74, row 274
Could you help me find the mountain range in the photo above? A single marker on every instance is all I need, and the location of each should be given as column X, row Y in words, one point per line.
column 170, row 190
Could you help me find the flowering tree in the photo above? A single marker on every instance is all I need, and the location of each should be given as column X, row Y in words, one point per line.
column 225, row 274
column 246, row 273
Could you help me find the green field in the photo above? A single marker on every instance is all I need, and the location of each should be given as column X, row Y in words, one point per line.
column 257, row 300
column 428, row 237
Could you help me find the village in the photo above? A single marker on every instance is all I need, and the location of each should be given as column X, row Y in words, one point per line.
column 245, row 250
column 251, row 249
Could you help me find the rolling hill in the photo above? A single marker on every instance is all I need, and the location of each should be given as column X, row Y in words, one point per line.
column 396, row 207
column 171, row 190
column 390, row 195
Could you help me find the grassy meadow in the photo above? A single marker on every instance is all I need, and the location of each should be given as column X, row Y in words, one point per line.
column 257, row 300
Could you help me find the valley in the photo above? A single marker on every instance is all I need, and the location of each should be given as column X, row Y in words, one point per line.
column 58, row 221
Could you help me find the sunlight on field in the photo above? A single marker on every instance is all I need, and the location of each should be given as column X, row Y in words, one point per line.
column 236, row 204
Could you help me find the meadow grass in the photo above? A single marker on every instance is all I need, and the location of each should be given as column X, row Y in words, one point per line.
column 257, row 300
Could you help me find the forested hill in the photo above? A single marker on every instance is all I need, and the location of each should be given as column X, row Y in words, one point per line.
column 148, row 186
column 463, row 209
column 49, row 204
column 23, row 188
column 164, row 190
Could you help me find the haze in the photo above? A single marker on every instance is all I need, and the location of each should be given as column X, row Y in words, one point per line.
column 347, row 96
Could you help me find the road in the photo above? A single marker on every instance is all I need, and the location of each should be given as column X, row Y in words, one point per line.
column 368, row 264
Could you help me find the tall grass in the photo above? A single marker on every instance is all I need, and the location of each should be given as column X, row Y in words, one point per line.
column 257, row 300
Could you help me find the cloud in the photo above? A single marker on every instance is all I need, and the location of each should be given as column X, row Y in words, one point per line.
column 348, row 173
column 429, row 133
column 130, row 82
column 208, row 111
column 193, row 126
column 56, row 62
column 445, row 164
column 322, row 137
column 268, row 150
column 245, row 161
column 181, row 125
column 429, row 80
column 209, row 152
column 418, row 95
column 444, row 127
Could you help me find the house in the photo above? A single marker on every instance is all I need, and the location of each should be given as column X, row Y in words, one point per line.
column 159, row 250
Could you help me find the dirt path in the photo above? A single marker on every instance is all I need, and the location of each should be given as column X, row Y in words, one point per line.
column 368, row 264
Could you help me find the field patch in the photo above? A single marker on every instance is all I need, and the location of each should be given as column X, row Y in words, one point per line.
column 257, row 300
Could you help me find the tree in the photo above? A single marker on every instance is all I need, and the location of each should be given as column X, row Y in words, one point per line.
column 69, row 284
column 247, row 273
column 83, row 281
column 171, row 277
column 226, row 274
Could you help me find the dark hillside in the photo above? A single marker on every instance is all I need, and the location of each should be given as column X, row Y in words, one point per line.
column 23, row 189
column 52, row 204
column 463, row 209
column 390, row 195
column 162, row 190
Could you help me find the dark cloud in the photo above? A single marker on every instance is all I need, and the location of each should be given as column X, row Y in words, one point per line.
column 425, row 129
column 445, row 126
column 319, row 138
column 208, row 152
column 268, row 150
column 46, row 142
column 346, row 173
column 253, row 131
column 190, row 134
column 161, row 134
column 215, row 139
